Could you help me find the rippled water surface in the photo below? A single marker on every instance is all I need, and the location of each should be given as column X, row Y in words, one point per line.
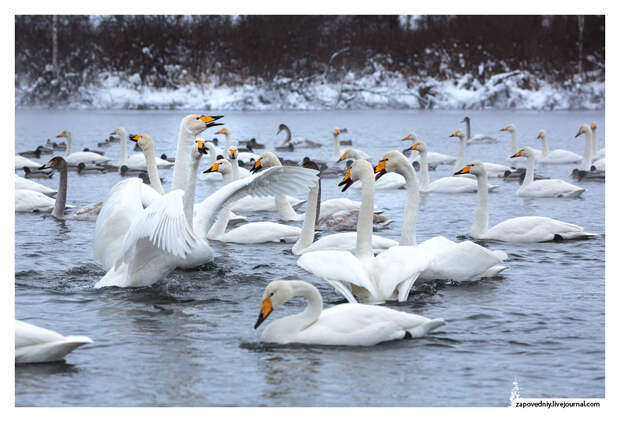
column 189, row 340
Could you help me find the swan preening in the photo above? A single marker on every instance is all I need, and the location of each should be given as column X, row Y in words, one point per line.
column 37, row 345
column 350, row 324
column 547, row 188
column 518, row 229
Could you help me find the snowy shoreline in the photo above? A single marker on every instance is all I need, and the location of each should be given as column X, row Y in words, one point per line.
column 377, row 90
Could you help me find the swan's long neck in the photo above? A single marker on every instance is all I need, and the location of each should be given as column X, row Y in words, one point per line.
column 514, row 145
column 467, row 130
column 336, row 146
column 288, row 137
column 363, row 247
column 310, row 219
column 68, row 150
column 61, row 196
column 123, row 145
column 212, row 152
column 481, row 215
column 587, row 153
column 190, row 192
column 594, row 142
column 219, row 227
column 235, row 169
column 151, row 169
column 424, row 169
column 285, row 209
column 181, row 164
column 529, row 172
column 460, row 159
column 227, row 143
column 408, row 234
column 313, row 309
column 545, row 145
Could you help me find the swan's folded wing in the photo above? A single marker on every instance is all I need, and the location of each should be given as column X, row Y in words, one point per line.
column 163, row 227
column 281, row 180
column 461, row 262
column 397, row 265
column 337, row 265
column 119, row 209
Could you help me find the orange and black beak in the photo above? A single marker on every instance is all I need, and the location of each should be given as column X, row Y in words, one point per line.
column 257, row 167
column 265, row 309
column 114, row 132
column 579, row 132
column 346, row 181
column 61, row 134
column 412, row 147
column 453, row 134
column 213, row 168
column 464, row 170
column 406, row 138
column 210, row 119
column 232, row 153
column 134, row 138
column 201, row 147
column 517, row 154
column 380, row 169
column 342, row 157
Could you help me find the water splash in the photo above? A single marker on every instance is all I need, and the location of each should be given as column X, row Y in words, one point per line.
column 514, row 394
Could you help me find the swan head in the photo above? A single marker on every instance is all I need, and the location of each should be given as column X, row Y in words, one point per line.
column 55, row 163
column 233, row 152
column 119, row 131
column 275, row 294
column 201, row 146
column 358, row 169
column 223, row 131
column 265, row 160
column 541, row 134
column 584, row 128
column 419, row 146
column 475, row 167
column 64, row 134
column 508, row 128
column 524, row 152
column 281, row 128
column 593, row 125
column 338, row 131
column 197, row 123
column 222, row 166
column 465, row 120
column 145, row 142
column 391, row 161
column 410, row 137
column 457, row 133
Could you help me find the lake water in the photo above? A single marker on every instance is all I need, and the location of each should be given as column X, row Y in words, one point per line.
column 189, row 340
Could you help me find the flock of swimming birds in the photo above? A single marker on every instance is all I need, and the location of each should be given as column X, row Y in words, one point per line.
column 143, row 233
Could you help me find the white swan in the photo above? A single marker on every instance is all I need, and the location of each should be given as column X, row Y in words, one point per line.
column 213, row 154
column 37, row 345
column 135, row 161
column 249, row 233
column 391, row 181
column 21, row 162
column 363, row 276
column 349, row 324
column 586, row 163
column 518, row 229
column 340, row 241
column 433, row 159
column 545, row 188
column 493, row 170
column 85, row 157
column 243, row 156
column 21, row 183
column 478, row 138
column 32, row 201
column 557, row 156
column 337, row 156
column 514, row 144
column 464, row 261
column 450, row 184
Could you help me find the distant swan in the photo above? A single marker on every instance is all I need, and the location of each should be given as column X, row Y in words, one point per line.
column 518, row 229
column 432, row 158
column 546, row 188
column 21, row 162
column 37, row 345
column 136, row 161
column 557, row 156
column 478, row 138
column 21, row 183
column 289, row 141
column 514, row 145
column 493, row 170
column 349, row 324
column 85, row 157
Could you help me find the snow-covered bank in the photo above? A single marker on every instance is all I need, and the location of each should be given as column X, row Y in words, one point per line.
column 377, row 89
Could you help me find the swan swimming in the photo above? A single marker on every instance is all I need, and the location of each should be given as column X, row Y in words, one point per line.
column 21, row 183
column 518, row 229
column 37, row 345
column 478, row 138
column 86, row 157
column 557, row 156
column 432, row 158
column 514, row 145
column 349, row 324
column 546, row 188
column 135, row 161
column 493, row 170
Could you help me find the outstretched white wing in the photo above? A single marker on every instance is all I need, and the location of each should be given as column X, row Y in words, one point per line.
column 281, row 180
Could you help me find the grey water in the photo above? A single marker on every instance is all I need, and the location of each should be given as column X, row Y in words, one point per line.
column 189, row 340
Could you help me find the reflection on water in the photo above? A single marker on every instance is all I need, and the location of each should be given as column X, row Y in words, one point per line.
column 189, row 340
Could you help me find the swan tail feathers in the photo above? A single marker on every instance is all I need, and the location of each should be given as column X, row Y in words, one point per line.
column 50, row 352
column 492, row 272
column 426, row 327
column 405, row 287
column 344, row 290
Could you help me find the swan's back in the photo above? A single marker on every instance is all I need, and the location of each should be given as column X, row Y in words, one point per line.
column 546, row 188
column 36, row 344
column 30, row 201
column 534, row 229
